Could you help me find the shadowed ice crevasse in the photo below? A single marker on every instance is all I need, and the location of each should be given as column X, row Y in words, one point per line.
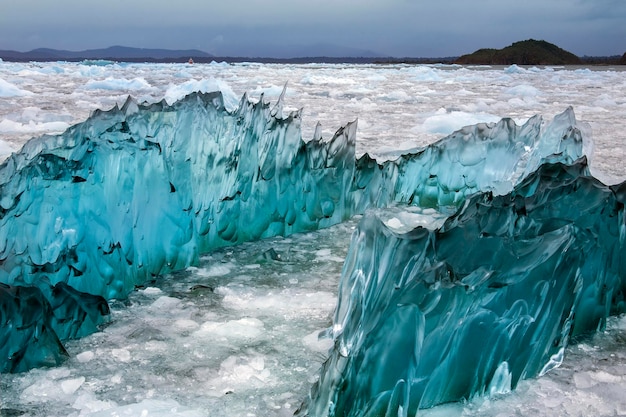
column 35, row 319
column 143, row 190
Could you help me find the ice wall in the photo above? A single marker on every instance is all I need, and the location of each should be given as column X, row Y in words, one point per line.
column 142, row 190
column 491, row 297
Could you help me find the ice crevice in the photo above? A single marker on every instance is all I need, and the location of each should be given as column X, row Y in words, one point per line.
column 144, row 189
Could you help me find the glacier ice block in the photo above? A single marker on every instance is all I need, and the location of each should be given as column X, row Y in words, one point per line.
column 491, row 297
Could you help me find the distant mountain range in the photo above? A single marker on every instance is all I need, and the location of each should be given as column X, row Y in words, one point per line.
column 528, row 52
column 308, row 53
column 113, row 53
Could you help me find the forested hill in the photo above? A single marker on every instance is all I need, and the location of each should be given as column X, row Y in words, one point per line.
column 528, row 52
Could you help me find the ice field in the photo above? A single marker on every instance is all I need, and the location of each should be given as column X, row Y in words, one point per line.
column 237, row 336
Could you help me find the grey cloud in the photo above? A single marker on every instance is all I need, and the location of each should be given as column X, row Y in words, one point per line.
column 393, row 27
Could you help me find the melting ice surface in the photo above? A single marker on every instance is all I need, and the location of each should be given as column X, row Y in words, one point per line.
column 85, row 391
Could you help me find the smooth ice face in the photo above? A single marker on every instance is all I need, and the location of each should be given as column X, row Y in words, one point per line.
column 491, row 297
column 142, row 190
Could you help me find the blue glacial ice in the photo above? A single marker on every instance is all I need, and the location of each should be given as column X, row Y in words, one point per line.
column 142, row 190
column 482, row 157
column 35, row 319
column 492, row 296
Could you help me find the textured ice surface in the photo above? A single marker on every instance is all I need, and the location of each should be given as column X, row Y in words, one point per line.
column 35, row 319
column 491, row 297
column 142, row 190
column 395, row 105
column 476, row 158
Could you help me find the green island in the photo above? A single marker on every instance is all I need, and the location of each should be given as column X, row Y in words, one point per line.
column 533, row 52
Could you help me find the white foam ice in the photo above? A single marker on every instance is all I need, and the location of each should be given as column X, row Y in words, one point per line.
column 324, row 78
column 177, row 91
column 8, row 89
column 317, row 341
column 403, row 220
column 85, row 356
column 213, row 270
column 445, row 121
column 152, row 291
column 246, row 328
column 270, row 91
column 31, row 127
column 523, row 90
column 397, row 105
column 144, row 408
column 515, row 69
column 111, row 83
column 291, row 302
column 70, row 386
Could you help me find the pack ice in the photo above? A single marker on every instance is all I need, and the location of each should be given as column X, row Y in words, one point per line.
column 425, row 316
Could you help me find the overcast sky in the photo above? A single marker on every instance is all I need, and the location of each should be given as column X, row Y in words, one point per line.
column 418, row 28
